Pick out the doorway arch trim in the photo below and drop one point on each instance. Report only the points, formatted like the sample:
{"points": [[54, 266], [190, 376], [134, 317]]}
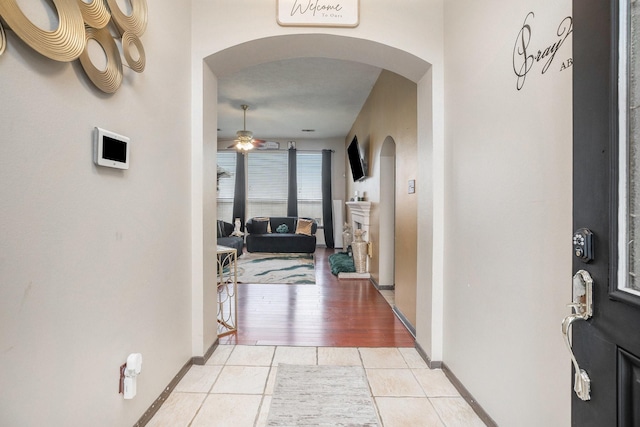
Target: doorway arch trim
{"points": [[429, 79]]}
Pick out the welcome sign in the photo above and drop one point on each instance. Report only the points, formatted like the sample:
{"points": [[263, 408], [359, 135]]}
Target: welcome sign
{"points": [[319, 13]]}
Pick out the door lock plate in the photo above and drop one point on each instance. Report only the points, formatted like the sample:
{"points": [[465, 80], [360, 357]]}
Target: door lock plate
{"points": [[583, 244], [582, 309]]}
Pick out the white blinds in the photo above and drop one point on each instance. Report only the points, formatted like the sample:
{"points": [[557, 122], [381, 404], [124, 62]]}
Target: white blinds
{"points": [[226, 185], [309, 176], [267, 183]]}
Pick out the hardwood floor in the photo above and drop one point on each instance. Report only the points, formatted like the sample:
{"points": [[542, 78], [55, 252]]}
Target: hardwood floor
{"points": [[337, 313]]}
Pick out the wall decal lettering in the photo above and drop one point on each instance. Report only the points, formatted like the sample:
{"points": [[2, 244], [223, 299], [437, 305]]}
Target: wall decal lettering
{"points": [[526, 57], [566, 64]]}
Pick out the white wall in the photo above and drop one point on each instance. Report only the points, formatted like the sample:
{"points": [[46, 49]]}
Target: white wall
{"points": [[508, 212], [94, 263]]}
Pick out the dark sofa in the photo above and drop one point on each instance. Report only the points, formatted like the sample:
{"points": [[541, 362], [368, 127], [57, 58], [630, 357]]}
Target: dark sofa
{"points": [[226, 239], [266, 235]]}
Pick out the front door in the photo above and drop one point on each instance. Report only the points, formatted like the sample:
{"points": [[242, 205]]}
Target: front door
{"points": [[606, 201]]}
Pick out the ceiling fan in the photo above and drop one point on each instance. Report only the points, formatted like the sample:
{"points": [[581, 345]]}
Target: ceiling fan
{"points": [[244, 138]]}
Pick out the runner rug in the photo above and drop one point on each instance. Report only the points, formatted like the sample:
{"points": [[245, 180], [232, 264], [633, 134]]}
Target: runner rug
{"points": [[273, 268], [321, 396]]}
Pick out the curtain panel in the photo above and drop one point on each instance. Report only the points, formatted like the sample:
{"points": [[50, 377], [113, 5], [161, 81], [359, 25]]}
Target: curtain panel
{"points": [[240, 194], [292, 199], [327, 199]]}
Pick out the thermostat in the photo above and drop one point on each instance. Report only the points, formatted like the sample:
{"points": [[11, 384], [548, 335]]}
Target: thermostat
{"points": [[110, 149]]}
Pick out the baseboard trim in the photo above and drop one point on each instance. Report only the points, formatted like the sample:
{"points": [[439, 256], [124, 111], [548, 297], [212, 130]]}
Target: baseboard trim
{"points": [[155, 406], [383, 287], [430, 363], [482, 414], [203, 359], [405, 321]]}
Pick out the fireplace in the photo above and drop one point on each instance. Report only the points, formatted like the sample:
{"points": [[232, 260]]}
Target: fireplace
{"points": [[359, 220], [360, 216]]}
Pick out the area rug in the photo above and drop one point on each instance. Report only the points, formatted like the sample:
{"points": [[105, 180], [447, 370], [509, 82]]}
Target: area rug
{"points": [[341, 262], [321, 396], [272, 268]]}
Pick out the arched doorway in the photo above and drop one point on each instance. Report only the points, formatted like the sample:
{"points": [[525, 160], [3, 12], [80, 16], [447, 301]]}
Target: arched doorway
{"points": [[204, 137]]}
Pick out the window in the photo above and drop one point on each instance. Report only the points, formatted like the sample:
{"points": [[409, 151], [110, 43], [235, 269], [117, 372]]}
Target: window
{"points": [[267, 183], [629, 150], [226, 185], [309, 175]]}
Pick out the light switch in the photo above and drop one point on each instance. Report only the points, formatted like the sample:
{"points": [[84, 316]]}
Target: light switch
{"points": [[412, 186]]}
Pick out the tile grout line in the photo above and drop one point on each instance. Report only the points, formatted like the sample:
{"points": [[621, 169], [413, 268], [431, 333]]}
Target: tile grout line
{"points": [[427, 396], [264, 390], [206, 395], [373, 399]]}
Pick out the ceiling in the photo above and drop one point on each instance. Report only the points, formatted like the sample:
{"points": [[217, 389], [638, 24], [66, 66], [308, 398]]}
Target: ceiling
{"points": [[287, 97]]}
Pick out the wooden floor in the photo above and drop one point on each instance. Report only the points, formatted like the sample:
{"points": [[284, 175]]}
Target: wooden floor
{"points": [[336, 313]]}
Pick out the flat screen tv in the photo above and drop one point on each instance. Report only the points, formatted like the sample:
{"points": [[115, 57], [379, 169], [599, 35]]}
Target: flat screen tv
{"points": [[356, 161]]}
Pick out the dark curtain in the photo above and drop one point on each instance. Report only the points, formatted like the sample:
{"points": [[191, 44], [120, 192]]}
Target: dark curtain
{"points": [[292, 199], [327, 199], [240, 192]]}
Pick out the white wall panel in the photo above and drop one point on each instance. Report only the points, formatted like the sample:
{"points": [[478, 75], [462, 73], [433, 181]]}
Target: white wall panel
{"points": [[94, 262]]}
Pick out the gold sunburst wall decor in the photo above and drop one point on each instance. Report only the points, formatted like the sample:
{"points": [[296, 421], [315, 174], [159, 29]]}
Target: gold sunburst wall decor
{"points": [[3, 39], [95, 13], [135, 23], [65, 44], [129, 39], [79, 21], [107, 80]]}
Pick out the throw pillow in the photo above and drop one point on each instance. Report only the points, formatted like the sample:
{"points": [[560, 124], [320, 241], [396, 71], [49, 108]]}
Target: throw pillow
{"points": [[263, 225], [282, 228], [221, 229], [304, 226]]}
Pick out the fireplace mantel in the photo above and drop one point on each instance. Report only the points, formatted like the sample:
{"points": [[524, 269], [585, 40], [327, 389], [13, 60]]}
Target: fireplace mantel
{"points": [[363, 208], [360, 216], [359, 220]]}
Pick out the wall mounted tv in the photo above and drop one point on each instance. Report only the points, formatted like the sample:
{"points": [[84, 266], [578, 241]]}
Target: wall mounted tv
{"points": [[356, 161]]}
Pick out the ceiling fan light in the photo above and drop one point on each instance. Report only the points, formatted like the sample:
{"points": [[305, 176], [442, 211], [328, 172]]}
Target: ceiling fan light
{"points": [[244, 140], [244, 144], [244, 135]]}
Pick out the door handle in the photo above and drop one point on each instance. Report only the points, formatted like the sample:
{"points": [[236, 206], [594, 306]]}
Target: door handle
{"points": [[582, 309]]}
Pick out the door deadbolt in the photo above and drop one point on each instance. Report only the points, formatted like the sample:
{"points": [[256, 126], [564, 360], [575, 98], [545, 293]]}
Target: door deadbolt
{"points": [[583, 244]]}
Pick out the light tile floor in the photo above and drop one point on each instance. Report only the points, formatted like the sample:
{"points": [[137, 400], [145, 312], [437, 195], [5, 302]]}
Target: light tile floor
{"points": [[235, 387]]}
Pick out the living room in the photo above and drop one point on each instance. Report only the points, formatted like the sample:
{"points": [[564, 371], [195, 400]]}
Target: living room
{"points": [[387, 115]]}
